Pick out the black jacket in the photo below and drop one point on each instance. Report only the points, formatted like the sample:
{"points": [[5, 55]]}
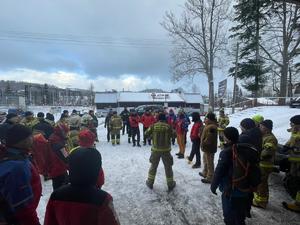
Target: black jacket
{"points": [[253, 137], [45, 127], [3, 130]]}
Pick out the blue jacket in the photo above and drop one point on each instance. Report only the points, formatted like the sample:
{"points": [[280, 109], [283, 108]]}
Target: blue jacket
{"points": [[15, 179]]}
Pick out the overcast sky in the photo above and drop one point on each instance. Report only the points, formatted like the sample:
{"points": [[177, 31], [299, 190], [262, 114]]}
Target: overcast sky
{"points": [[115, 44]]}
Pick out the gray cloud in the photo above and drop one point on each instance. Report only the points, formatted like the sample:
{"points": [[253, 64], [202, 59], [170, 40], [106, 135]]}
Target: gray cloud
{"points": [[100, 29]]}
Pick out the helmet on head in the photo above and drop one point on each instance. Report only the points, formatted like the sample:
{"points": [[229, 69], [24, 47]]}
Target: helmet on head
{"points": [[258, 118]]}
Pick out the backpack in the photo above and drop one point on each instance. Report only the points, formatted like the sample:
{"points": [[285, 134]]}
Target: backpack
{"points": [[246, 175]]}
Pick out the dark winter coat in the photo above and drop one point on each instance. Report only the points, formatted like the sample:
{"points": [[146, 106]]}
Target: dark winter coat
{"points": [[209, 138], [252, 137], [45, 127], [125, 115], [223, 174], [20, 188], [3, 130], [107, 120]]}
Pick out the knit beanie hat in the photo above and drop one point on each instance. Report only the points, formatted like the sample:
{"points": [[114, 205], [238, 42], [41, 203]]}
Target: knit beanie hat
{"points": [[40, 115], [268, 124], [247, 124], [295, 120], [86, 138], [211, 116], [11, 115], [28, 113], [258, 118], [232, 134], [16, 134], [50, 117], [84, 166]]}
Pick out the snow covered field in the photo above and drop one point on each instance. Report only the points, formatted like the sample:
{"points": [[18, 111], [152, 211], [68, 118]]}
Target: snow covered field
{"points": [[191, 202]]}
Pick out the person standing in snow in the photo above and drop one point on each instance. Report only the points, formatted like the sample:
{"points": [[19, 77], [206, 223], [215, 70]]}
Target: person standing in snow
{"points": [[147, 120], [161, 134], [58, 153], [181, 132], [234, 201], [195, 138], [29, 120], [125, 118], [95, 124], [115, 128], [81, 202], [267, 156], [134, 120], [222, 124], [106, 124], [171, 119], [209, 142], [293, 147], [21, 188]]}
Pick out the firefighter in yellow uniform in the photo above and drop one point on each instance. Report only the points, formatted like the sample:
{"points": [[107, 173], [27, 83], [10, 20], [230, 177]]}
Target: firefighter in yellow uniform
{"points": [[115, 126], [261, 196], [161, 133], [293, 146], [222, 124], [29, 120]]}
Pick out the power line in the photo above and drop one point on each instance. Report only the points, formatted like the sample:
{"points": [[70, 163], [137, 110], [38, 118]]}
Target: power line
{"points": [[85, 40]]}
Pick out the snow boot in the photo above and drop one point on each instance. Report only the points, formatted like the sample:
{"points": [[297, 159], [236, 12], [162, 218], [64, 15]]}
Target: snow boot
{"points": [[180, 156], [202, 174], [188, 160], [133, 145], [195, 166], [205, 181], [129, 140], [177, 153], [149, 184], [291, 206], [138, 144], [171, 186]]}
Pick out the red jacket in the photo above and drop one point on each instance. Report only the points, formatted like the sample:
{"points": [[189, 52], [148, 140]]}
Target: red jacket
{"points": [[57, 160], [71, 205], [195, 131], [40, 151], [134, 121], [147, 120]]}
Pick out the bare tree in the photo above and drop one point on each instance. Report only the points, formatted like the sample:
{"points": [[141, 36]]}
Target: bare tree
{"points": [[91, 93], [199, 37], [282, 41]]}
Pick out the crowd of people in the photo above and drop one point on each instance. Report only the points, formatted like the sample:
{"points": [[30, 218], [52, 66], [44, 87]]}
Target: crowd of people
{"points": [[65, 152]]}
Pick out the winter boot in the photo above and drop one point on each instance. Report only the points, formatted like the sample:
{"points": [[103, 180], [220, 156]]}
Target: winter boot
{"points": [[205, 181], [149, 184], [180, 156], [188, 160], [171, 186], [129, 140], [133, 144], [291, 206], [202, 174], [177, 153], [138, 144], [195, 166]]}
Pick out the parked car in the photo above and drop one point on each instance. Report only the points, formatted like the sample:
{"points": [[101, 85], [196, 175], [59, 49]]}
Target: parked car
{"points": [[295, 100], [143, 108]]}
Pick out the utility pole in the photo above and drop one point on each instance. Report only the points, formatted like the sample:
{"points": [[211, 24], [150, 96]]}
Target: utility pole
{"points": [[235, 77]]}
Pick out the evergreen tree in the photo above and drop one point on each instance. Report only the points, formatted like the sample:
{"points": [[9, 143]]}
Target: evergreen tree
{"points": [[250, 18]]}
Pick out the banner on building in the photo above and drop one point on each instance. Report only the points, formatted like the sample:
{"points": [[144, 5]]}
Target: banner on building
{"points": [[222, 89]]}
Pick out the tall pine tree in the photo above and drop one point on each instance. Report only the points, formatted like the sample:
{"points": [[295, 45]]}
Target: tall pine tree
{"points": [[250, 19]]}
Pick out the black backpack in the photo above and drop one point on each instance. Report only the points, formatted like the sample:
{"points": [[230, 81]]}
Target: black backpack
{"points": [[246, 175]]}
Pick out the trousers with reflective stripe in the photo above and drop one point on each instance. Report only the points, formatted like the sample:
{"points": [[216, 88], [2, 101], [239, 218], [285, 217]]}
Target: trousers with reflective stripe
{"points": [[167, 161], [261, 196]]}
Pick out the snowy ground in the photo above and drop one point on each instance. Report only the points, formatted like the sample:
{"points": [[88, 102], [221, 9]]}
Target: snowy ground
{"points": [[190, 202]]}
